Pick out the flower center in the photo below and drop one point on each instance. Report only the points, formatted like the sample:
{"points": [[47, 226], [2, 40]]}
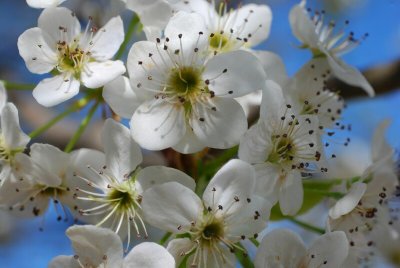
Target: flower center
{"points": [[219, 41], [283, 149], [185, 80], [71, 58], [122, 196], [214, 230], [5, 153]]}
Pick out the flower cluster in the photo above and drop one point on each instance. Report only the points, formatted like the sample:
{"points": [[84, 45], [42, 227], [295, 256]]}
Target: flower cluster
{"points": [[187, 90]]}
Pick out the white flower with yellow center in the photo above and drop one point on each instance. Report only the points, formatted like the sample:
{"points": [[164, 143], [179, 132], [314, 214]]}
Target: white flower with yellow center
{"points": [[58, 45], [12, 140], [324, 42], [281, 146], [283, 248], [179, 97], [96, 247], [228, 213], [114, 196]]}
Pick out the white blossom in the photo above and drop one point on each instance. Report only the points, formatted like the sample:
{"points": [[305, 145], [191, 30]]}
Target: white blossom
{"points": [[185, 99], [101, 248], [325, 42], [113, 198], [228, 212], [58, 45], [283, 248], [281, 146], [44, 3]]}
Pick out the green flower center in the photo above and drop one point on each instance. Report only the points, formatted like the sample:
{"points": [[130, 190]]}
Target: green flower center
{"points": [[213, 230], [283, 150], [72, 58], [219, 41], [123, 196], [185, 80]]}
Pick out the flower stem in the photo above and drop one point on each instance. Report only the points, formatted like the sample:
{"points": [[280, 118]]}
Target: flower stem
{"points": [[81, 128], [243, 259], [335, 195], [17, 86], [73, 108], [254, 241], [131, 29], [164, 239], [306, 226]]}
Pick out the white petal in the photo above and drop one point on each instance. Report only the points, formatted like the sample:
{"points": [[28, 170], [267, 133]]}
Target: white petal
{"points": [[254, 20], [246, 220], [36, 172], [255, 144], [236, 179], [64, 262], [50, 158], [273, 65], [149, 255], [97, 74], [123, 154], [189, 144], [221, 127], [39, 57], [268, 177], [155, 175], [92, 244], [171, 207], [291, 194], [52, 19], [349, 201], [154, 14], [121, 97], [3, 96], [302, 26], [55, 90], [349, 75], [178, 246], [108, 39], [234, 74], [280, 248], [189, 25], [157, 125], [380, 148], [204, 8], [329, 250], [13, 136], [43, 3], [273, 103]]}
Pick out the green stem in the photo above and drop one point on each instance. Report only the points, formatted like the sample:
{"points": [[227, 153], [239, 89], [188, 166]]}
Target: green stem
{"points": [[243, 259], [81, 128], [131, 29], [336, 195], [17, 86], [73, 108], [164, 239], [306, 226], [254, 241]]}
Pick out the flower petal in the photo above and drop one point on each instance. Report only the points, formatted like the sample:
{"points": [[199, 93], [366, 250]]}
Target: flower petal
{"points": [[171, 207], [280, 248], [43, 3], [380, 148], [189, 25], [250, 20], [273, 103], [51, 20], [329, 250], [349, 75], [39, 57], [177, 247], [291, 194], [3, 96], [155, 175], [189, 144], [149, 255], [349, 201], [93, 244], [255, 144], [268, 181], [302, 26], [220, 127], [11, 131], [50, 158], [234, 182], [273, 65], [123, 154], [108, 39], [55, 90], [97, 74], [157, 125], [64, 262], [234, 74], [121, 97]]}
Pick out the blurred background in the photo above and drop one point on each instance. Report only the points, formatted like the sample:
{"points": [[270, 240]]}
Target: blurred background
{"points": [[21, 242]]}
